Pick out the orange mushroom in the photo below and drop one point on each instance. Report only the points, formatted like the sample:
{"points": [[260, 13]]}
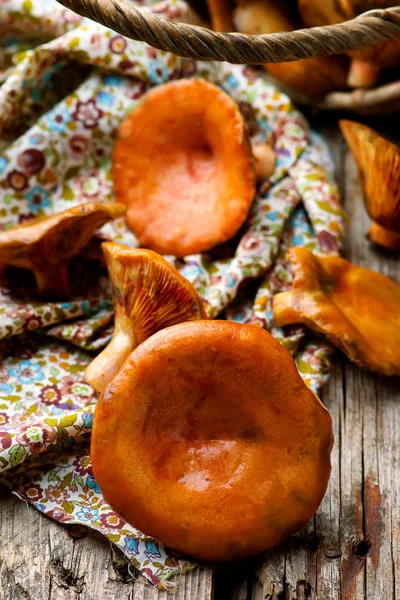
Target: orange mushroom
{"points": [[222, 450], [46, 245], [183, 166], [310, 77], [378, 161], [148, 294], [358, 310], [220, 12], [366, 64]]}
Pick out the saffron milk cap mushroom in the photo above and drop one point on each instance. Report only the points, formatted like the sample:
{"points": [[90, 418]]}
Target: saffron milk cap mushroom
{"points": [[183, 166], [148, 294], [357, 309], [46, 245], [222, 450], [378, 161]]}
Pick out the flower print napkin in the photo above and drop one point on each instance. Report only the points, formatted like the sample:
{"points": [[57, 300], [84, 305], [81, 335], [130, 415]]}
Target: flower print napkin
{"points": [[65, 85]]}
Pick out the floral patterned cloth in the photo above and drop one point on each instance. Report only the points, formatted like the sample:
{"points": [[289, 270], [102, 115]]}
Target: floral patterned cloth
{"points": [[65, 85]]}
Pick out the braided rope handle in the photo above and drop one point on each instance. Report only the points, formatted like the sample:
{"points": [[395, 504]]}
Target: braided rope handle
{"points": [[190, 41]]}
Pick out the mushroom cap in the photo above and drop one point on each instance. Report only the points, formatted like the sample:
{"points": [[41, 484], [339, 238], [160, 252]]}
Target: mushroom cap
{"points": [[311, 77], [222, 450], [378, 161], [55, 238], [149, 292], [357, 309], [183, 166]]}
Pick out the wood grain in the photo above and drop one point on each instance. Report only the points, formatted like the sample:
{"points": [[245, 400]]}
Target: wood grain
{"points": [[40, 560], [349, 551]]}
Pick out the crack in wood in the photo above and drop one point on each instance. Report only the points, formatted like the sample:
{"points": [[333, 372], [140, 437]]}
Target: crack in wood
{"points": [[65, 577]]}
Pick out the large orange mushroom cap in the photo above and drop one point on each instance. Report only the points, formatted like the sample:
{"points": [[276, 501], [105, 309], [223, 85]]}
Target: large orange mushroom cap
{"points": [[356, 308], [148, 294], [209, 440], [183, 166]]}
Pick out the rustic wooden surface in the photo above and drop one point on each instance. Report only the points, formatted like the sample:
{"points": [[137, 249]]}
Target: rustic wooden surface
{"points": [[349, 551]]}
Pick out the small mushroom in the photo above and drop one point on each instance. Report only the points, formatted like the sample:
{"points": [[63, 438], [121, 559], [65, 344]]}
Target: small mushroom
{"points": [[148, 295], [358, 310], [46, 245]]}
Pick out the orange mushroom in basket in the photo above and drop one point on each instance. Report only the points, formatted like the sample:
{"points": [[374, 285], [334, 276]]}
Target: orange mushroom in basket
{"points": [[357, 309], [148, 294], [183, 166], [222, 450], [367, 63], [47, 245], [310, 77], [378, 161]]}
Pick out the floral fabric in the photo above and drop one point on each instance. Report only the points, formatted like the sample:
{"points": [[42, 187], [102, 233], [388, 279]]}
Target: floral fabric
{"points": [[65, 85]]}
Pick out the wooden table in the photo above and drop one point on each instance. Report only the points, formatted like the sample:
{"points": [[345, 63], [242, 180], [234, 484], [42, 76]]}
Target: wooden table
{"points": [[350, 550]]}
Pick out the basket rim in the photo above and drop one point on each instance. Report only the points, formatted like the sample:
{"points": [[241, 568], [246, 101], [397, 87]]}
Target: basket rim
{"points": [[191, 41]]}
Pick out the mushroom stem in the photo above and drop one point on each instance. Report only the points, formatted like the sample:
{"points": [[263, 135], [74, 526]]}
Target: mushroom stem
{"points": [[284, 313], [221, 15], [52, 280], [264, 159], [384, 237], [107, 364], [362, 74]]}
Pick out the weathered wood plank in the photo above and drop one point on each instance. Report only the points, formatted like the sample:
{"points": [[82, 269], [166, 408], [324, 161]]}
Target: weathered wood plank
{"points": [[39, 560], [351, 447], [328, 516], [394, 484], [378, 400]]}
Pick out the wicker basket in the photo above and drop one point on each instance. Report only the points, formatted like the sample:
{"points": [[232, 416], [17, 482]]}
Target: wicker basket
{"points": [[190, 41]]}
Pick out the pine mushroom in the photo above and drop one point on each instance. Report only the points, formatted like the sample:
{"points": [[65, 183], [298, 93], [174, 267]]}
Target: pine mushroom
{"points": [[378, 161], [46, 245], [357, 309], [148, 295], [222, 450]]}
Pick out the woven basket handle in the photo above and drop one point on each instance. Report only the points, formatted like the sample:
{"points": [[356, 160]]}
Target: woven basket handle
{"points": [[190, 41]]}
